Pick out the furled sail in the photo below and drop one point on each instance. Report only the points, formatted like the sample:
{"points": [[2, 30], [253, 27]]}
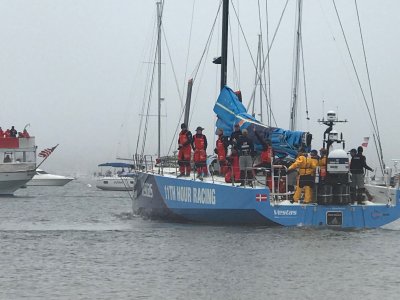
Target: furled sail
{"points": [[231, 111]]}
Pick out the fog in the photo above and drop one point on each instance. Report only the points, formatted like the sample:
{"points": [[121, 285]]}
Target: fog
{"points": [[77, 71]]}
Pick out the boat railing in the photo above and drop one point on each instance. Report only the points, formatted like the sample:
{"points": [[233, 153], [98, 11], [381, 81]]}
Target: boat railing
{"points": [[279, 184], [148, 163]]}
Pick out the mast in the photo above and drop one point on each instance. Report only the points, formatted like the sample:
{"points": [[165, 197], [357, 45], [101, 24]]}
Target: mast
{"points": [[188, 100], [296, 67], [259, 74], [159, 75], [224, 49]]}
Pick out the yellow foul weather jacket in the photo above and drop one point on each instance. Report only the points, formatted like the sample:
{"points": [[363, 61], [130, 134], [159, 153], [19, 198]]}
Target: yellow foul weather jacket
{"points": [[305, 165]]}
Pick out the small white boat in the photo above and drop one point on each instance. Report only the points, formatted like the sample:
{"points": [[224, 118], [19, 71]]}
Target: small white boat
{"points": [[42, 178], [116, 178], [115, 183]]}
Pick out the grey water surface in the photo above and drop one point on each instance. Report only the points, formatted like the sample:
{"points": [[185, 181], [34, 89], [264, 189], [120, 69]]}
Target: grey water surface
{"points": [[77, 242]]}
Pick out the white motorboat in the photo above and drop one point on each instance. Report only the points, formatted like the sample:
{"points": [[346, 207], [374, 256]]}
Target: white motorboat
{"points": [[116, 177], [385, 187], [42, 178], [17, 164]]}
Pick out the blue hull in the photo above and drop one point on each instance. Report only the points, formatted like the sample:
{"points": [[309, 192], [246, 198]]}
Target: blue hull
{"points": [[196, 201]]}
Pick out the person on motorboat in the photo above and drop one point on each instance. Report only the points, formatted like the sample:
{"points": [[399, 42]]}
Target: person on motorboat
{"points": [[221, 150], [357, 165], [306, 169], [185, 141], [245, 148], [7, 159], [13, 132], [200, 154], [25, 134]]}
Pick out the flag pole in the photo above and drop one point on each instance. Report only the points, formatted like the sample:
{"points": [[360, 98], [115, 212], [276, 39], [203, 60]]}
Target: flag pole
{"points": [[52, 149]]}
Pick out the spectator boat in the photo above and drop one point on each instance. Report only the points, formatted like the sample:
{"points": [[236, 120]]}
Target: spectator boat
{"points": [[42, 178], [17, 164]]}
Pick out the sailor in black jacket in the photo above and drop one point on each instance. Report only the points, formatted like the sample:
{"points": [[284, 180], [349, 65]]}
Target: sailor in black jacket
{"points": [[245, 148], [357, 165]]}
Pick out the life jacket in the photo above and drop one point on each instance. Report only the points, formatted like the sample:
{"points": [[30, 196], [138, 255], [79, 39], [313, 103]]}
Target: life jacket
{"points": [[305, 165], [200, 155], [279, 185], [199, 142], [221, 149], [183, 139], [266, 156]]}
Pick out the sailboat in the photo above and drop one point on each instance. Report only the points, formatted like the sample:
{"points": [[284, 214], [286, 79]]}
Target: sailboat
{"points": [[159, 193]]}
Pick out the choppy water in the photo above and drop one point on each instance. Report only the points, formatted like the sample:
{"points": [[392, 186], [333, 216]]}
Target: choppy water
{"points": [[77, 242]]}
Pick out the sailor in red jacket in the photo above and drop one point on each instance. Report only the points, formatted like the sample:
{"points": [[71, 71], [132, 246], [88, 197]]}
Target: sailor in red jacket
{"points": [[233, 173], [200, 155], [185, 142], [266, 153], [221, 151]]}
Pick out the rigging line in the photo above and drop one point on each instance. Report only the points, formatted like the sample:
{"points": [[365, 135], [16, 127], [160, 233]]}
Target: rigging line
{"points": [[194, 73], [259, 17], [261, 55], [194, 104], [369, 81], [359, 83], [268, 61], [151, 87], [235, 77], [148, 105], [238, 43], [172, 66], [244, 36], [188, 50], [149, 71], [268, 104], [275, 33], [204, 54], [199, 84], [252, 101], [354, 67], [304, 76], [268, 94], [176, 130]]}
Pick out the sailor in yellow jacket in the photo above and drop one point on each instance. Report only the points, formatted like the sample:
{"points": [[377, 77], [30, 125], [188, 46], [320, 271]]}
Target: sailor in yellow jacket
{"points": [[306, 169]]}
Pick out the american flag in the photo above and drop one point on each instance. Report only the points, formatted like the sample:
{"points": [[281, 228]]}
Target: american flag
{"points": [[261, 197], [46, 152]]}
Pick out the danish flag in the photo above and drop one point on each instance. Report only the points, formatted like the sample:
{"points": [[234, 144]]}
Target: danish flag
{"points": [[261, 197]]}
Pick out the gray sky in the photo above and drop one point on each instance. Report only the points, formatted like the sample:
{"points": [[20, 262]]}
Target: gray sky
{"points": [[76, 71]]}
